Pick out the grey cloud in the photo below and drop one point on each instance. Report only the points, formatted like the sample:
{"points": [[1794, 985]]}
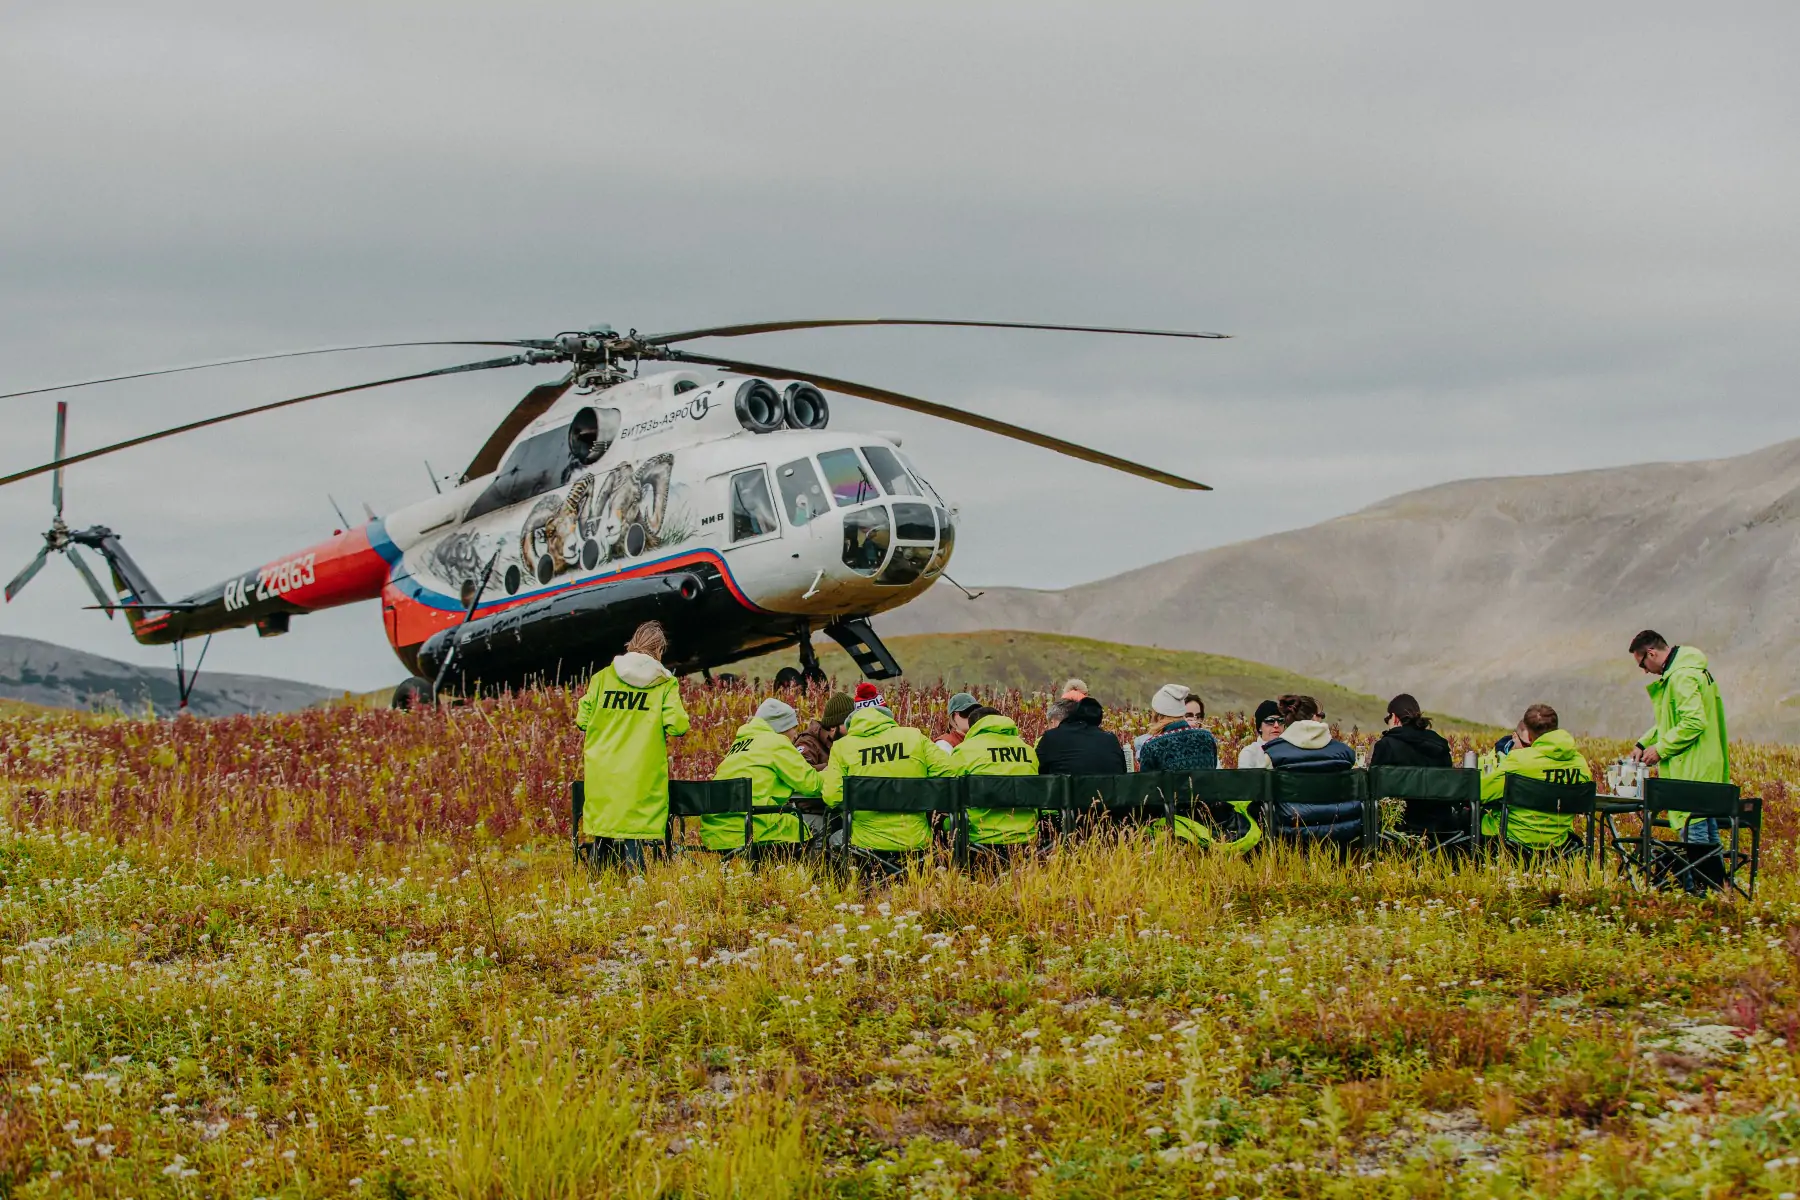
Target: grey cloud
{"points": [[1506, 241]]}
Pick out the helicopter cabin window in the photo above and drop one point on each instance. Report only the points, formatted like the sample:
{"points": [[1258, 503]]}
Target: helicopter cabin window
{"points": [[893, 476], [866, 540], [801, 492], [844, 474], [752, 508]]}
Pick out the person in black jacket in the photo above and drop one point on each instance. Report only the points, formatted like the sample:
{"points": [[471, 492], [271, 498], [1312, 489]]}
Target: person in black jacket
{"points": [[1410, 741], [1076, 745]]}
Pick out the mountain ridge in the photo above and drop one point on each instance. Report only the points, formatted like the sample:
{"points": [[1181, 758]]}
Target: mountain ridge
{"points": [[1480, 595], [44, 673]]}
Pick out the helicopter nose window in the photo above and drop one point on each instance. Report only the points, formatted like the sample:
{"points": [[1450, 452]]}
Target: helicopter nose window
{"points": [[844, 474], [752, 508], [801, 492], [908, 564], [865, 540], [893, 476], [946, 544], [912, 523]]}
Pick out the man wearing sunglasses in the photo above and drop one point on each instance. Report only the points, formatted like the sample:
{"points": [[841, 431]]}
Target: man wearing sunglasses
{"points": [[1268, 728]]}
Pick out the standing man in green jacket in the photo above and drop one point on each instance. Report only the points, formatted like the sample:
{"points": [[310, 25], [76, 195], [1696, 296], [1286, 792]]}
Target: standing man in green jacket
{"points": [[631, 709], [875, 744], [1688, 739], [762, 752], [992, 746]]}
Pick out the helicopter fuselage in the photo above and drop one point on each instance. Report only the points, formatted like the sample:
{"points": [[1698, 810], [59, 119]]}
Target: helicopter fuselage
{"points": [[652, 498]]}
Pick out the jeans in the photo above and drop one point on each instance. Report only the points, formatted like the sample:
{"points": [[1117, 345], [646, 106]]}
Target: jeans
{"points": [[1701, 831]]}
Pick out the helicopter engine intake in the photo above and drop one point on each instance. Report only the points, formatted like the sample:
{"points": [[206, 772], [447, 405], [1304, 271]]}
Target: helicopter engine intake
{"points": [[759, 407], [805, 407]]}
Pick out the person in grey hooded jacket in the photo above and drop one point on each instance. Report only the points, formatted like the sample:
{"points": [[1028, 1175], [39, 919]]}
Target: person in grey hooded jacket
{"points": [[1306, 746]]}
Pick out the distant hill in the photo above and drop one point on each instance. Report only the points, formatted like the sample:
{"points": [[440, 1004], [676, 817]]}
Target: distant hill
{"points": [[1115, 673], [42, 673], [1483, 596]]}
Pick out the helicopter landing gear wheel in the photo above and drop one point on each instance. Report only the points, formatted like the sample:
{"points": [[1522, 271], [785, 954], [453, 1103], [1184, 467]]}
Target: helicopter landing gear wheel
{"points": [[788, 677], [414, 693]]}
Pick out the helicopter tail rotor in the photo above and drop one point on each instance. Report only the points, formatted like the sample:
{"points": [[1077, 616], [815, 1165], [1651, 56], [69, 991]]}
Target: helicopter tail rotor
{"points": [[58, 537]]}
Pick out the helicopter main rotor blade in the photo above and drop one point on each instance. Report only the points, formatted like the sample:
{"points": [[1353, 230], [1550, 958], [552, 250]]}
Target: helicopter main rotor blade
{"points": [[664, 339], [522, 343], [514, 360], [933, 409], [106, 602], [62, 428], [24, 577]]}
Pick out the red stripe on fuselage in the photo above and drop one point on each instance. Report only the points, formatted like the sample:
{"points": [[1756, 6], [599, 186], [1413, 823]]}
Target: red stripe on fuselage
{"points": [[409, 622]]}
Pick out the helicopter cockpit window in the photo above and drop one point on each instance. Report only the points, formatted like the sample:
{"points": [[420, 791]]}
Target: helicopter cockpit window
{"points": [[844, 474], [801, 492], [893, 476], [683, 385], [920, 479], [752, 508], [866, 539]]}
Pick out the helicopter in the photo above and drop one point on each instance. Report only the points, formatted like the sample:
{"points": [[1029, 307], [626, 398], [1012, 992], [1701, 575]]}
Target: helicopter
{"points": [[714, 496]]}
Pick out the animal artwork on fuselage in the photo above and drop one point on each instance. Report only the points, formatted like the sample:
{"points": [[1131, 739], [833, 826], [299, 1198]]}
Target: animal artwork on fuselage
{"points": [[616, 513]]}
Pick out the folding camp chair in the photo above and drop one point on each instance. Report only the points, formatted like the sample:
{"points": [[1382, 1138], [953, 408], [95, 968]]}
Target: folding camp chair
{"points": [[595, 853], [1036, 794], [1443, 805], [1231, 804], [1555, 799], [1290, 789], [1139, 798], [1694, 866], [710, 798], [866, 794]]}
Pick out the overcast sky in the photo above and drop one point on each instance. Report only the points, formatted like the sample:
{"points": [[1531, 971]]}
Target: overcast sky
{"points": [[1530, 238]]}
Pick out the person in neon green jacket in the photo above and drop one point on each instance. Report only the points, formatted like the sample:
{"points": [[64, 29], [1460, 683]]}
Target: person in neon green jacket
{"points": [[1541, 750], [875, 744], [1688, 739], [992, 746], [631, 709], [761, 752]]}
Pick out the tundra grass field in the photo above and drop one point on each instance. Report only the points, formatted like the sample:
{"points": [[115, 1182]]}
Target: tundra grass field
{"points": [[344, 952]]}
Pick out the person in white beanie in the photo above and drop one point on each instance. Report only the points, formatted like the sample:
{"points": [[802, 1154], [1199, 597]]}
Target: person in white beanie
{"points": [[1169, 703]]}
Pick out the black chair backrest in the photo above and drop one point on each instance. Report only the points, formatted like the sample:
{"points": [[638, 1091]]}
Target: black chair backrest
{"points": [[1449, 784], [1143, 790], [1540, 795], [1220, 786], [1045, 793], [1309, 787], [708, 797], [1692, 797], [879, 793]]}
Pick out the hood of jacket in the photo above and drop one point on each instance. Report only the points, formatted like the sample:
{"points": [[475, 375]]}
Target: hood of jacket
{"points": [[995, 723], [1087, 712], [1308, 735], [866, 721], [1426, 740], [752, 727], [1556, 746], [639, 670]]}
